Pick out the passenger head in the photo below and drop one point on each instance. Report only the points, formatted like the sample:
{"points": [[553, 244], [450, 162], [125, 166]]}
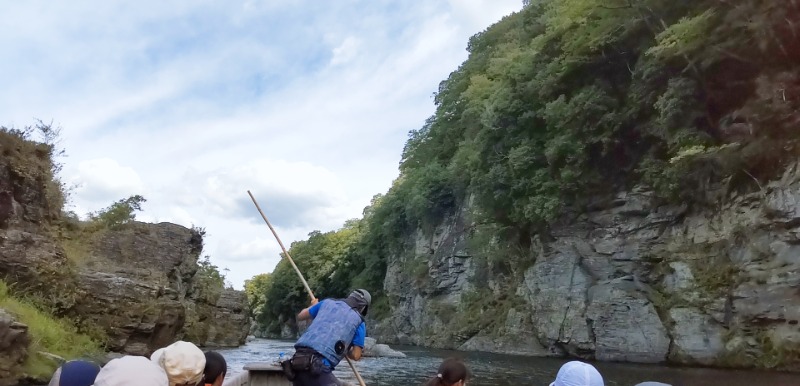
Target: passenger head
{"points": [[75, 373], [577, 373], [183, 362], [131, 371], [216, 368], [359, 300], [452, 372]]}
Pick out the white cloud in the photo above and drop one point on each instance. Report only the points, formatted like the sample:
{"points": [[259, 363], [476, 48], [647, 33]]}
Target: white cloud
{"points": [[475, 13], [248, 251], [346, 51], [103, 181], [191, 103]]}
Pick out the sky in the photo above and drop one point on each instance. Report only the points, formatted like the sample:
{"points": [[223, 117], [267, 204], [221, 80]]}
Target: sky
{"points": [[191, 103]]}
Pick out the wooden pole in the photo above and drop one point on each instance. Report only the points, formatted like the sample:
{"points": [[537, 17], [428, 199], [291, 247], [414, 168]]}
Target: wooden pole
{"points": [[285, 252], [305, 283]]}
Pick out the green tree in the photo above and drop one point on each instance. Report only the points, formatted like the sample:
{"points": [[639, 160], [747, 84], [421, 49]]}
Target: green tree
{"points": [[120, 213], [256, 290], [208, 282]]}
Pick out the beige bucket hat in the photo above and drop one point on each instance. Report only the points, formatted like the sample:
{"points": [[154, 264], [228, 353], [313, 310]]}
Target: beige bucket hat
{"points": [[182, 361]]}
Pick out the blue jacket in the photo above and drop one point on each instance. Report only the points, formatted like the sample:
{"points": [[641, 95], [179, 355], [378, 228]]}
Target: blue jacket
{"points": [[335, 322]]}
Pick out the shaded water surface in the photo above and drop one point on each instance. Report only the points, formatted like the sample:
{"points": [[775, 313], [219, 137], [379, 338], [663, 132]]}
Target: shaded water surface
{"points": [[505, 370]]}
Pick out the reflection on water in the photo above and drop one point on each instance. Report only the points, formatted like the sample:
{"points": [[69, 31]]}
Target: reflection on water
{"points": [[504, 370]]}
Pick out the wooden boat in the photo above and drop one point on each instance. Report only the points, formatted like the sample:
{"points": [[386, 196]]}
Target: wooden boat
{"points": [[262, 374], [259, 374]]}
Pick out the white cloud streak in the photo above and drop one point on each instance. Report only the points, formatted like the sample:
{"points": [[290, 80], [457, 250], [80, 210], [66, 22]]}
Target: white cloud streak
{"points": [[192, 103]]}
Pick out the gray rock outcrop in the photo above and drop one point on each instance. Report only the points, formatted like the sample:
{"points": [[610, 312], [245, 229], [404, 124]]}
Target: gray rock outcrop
{"points": [[135, 280], [226, 323], [142, 290]]}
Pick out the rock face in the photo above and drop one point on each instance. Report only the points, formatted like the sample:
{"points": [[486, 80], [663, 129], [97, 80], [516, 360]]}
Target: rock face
{"points": [[30, 201], [135, 284], [628, 280], [141, 290], [136, 281], [226, 323], [13, 347], [231, 320]]}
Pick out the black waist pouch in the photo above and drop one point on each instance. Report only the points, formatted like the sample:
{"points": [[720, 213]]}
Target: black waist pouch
{"points": [[304, 359], [287, 369], [302, 362]]}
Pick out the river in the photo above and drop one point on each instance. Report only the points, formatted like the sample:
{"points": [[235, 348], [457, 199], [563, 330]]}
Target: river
{"points": [[505, 370]]}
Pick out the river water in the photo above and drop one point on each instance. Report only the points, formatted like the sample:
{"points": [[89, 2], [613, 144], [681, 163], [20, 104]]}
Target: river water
{"points": [[504, 370]]}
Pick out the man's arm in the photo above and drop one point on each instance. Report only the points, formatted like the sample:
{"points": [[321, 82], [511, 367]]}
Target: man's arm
{"points": [[307, 313], [355, 353], [357, 346]]}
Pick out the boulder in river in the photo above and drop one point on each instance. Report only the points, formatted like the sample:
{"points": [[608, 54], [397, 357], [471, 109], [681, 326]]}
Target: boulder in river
{"points": [[373, 349]]}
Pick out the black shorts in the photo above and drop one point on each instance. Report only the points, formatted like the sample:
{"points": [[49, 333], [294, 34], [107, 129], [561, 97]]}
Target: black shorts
{"points": [[311, 378]]}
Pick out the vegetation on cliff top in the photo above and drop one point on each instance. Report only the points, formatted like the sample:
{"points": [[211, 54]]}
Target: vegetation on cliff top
{"points": [[35, 162], [568, 100]]}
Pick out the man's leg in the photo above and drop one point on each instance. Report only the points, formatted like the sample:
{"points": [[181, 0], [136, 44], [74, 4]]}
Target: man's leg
{"points": [[308, 378]]}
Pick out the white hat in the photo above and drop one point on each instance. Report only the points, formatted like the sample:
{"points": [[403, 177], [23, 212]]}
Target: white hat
{"points": [[183, 362], [156, 356], [131, 371], [577, 373]]}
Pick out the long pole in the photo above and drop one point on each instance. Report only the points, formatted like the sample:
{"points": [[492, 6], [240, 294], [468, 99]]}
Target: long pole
{"points": [[305, 283]]}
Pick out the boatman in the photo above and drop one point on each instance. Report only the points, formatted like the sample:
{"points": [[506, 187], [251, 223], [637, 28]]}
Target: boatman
{"points": [[337, 329]]}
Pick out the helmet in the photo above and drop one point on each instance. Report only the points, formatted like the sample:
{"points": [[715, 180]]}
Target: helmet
{"points": [[359, 300], [363, 294]]}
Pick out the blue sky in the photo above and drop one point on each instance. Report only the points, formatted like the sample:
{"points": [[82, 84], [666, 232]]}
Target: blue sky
{"points": [[191, 103]]}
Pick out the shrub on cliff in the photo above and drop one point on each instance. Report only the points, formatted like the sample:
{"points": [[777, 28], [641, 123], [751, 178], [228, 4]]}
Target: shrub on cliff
{"points": [[208, 282], [118, 214]]}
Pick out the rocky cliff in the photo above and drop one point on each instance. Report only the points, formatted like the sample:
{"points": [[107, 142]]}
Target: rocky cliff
{"points": [[223, 321], [139, 286], [130, 286], [627, 280]]}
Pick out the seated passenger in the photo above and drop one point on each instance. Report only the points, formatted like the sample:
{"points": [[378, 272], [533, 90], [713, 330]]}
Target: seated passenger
{"points": [[183, 362], [216, 368], [131, 371], [75, 373], [577, 373]]}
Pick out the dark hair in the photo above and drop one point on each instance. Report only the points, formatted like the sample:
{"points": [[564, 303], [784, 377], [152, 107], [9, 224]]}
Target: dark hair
{"points": [[450, 371], [215, 365]]}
